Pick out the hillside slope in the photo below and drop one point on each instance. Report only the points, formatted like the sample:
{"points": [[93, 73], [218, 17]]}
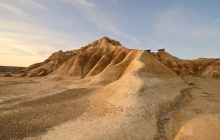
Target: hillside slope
{"points": [[101, 91], [110, 58], [201, 67]]}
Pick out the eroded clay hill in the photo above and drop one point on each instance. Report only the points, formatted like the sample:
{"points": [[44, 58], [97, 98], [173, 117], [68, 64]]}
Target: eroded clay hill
{"points": [[87, 61], [104, 60], [108, 58], [104, 91], [201, 67]]}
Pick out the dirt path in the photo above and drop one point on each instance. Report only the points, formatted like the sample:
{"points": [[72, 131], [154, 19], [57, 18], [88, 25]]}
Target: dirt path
{"points": [[200, 118]]}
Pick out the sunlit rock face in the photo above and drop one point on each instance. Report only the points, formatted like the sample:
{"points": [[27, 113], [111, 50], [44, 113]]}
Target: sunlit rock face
{"points": [[201, 67], [108, 57]]}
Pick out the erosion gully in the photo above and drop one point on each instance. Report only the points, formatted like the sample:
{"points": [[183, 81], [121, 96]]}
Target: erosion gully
{"points": [[165, 117]]}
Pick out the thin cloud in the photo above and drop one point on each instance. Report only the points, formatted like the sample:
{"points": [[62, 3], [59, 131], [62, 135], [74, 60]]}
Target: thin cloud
{"points": [[84, 3], [217, 20], [54, 4], [182, 23], [104, 23], [22, 52], [19, 12], [101, 20], [14, 10], [170, 20], [34, 4], [184, 30], [30, 43]]}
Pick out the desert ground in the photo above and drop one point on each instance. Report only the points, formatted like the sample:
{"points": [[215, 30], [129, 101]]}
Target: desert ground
{"points": [[37, 108], [105, 91]]}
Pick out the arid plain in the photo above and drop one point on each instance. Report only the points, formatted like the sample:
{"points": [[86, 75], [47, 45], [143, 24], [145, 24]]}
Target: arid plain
{"points": [[106, 91]]}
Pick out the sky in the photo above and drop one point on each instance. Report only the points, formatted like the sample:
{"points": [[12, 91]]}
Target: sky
{"points": [[31, 30]]}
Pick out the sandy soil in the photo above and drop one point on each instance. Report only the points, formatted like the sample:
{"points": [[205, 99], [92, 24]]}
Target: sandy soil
{"points": [[200, 118], [30, 106], [129, 108], [33, 108], [105, 91]]}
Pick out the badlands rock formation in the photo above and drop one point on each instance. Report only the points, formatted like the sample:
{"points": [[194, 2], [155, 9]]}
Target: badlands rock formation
{"points": [[103, 56], [105, 91], [201, 67]]}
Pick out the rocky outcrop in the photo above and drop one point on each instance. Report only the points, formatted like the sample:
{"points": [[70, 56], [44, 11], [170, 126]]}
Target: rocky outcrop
{"points": [[49, 65], [106, 60], [92, 53], [202, 67], [213, 70], [106, 57], [104, 88]]}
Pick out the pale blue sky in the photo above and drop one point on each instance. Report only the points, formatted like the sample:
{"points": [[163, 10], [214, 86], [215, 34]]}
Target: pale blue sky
{"points": [[31, 30]]}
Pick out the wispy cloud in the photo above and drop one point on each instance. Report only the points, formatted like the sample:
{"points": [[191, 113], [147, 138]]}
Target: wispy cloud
{"points": [[14, 10], [188, 24], [100, 19], [184, 30], [54, 4], [20, 52], [19, 11], [84, 3], [34, 44], [170, 20], [34, 4], [216, 21]]}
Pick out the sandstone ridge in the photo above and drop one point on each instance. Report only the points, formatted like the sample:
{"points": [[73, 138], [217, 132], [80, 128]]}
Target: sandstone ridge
{"points": [[107, 57], [106, 91], [201, 67]]}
